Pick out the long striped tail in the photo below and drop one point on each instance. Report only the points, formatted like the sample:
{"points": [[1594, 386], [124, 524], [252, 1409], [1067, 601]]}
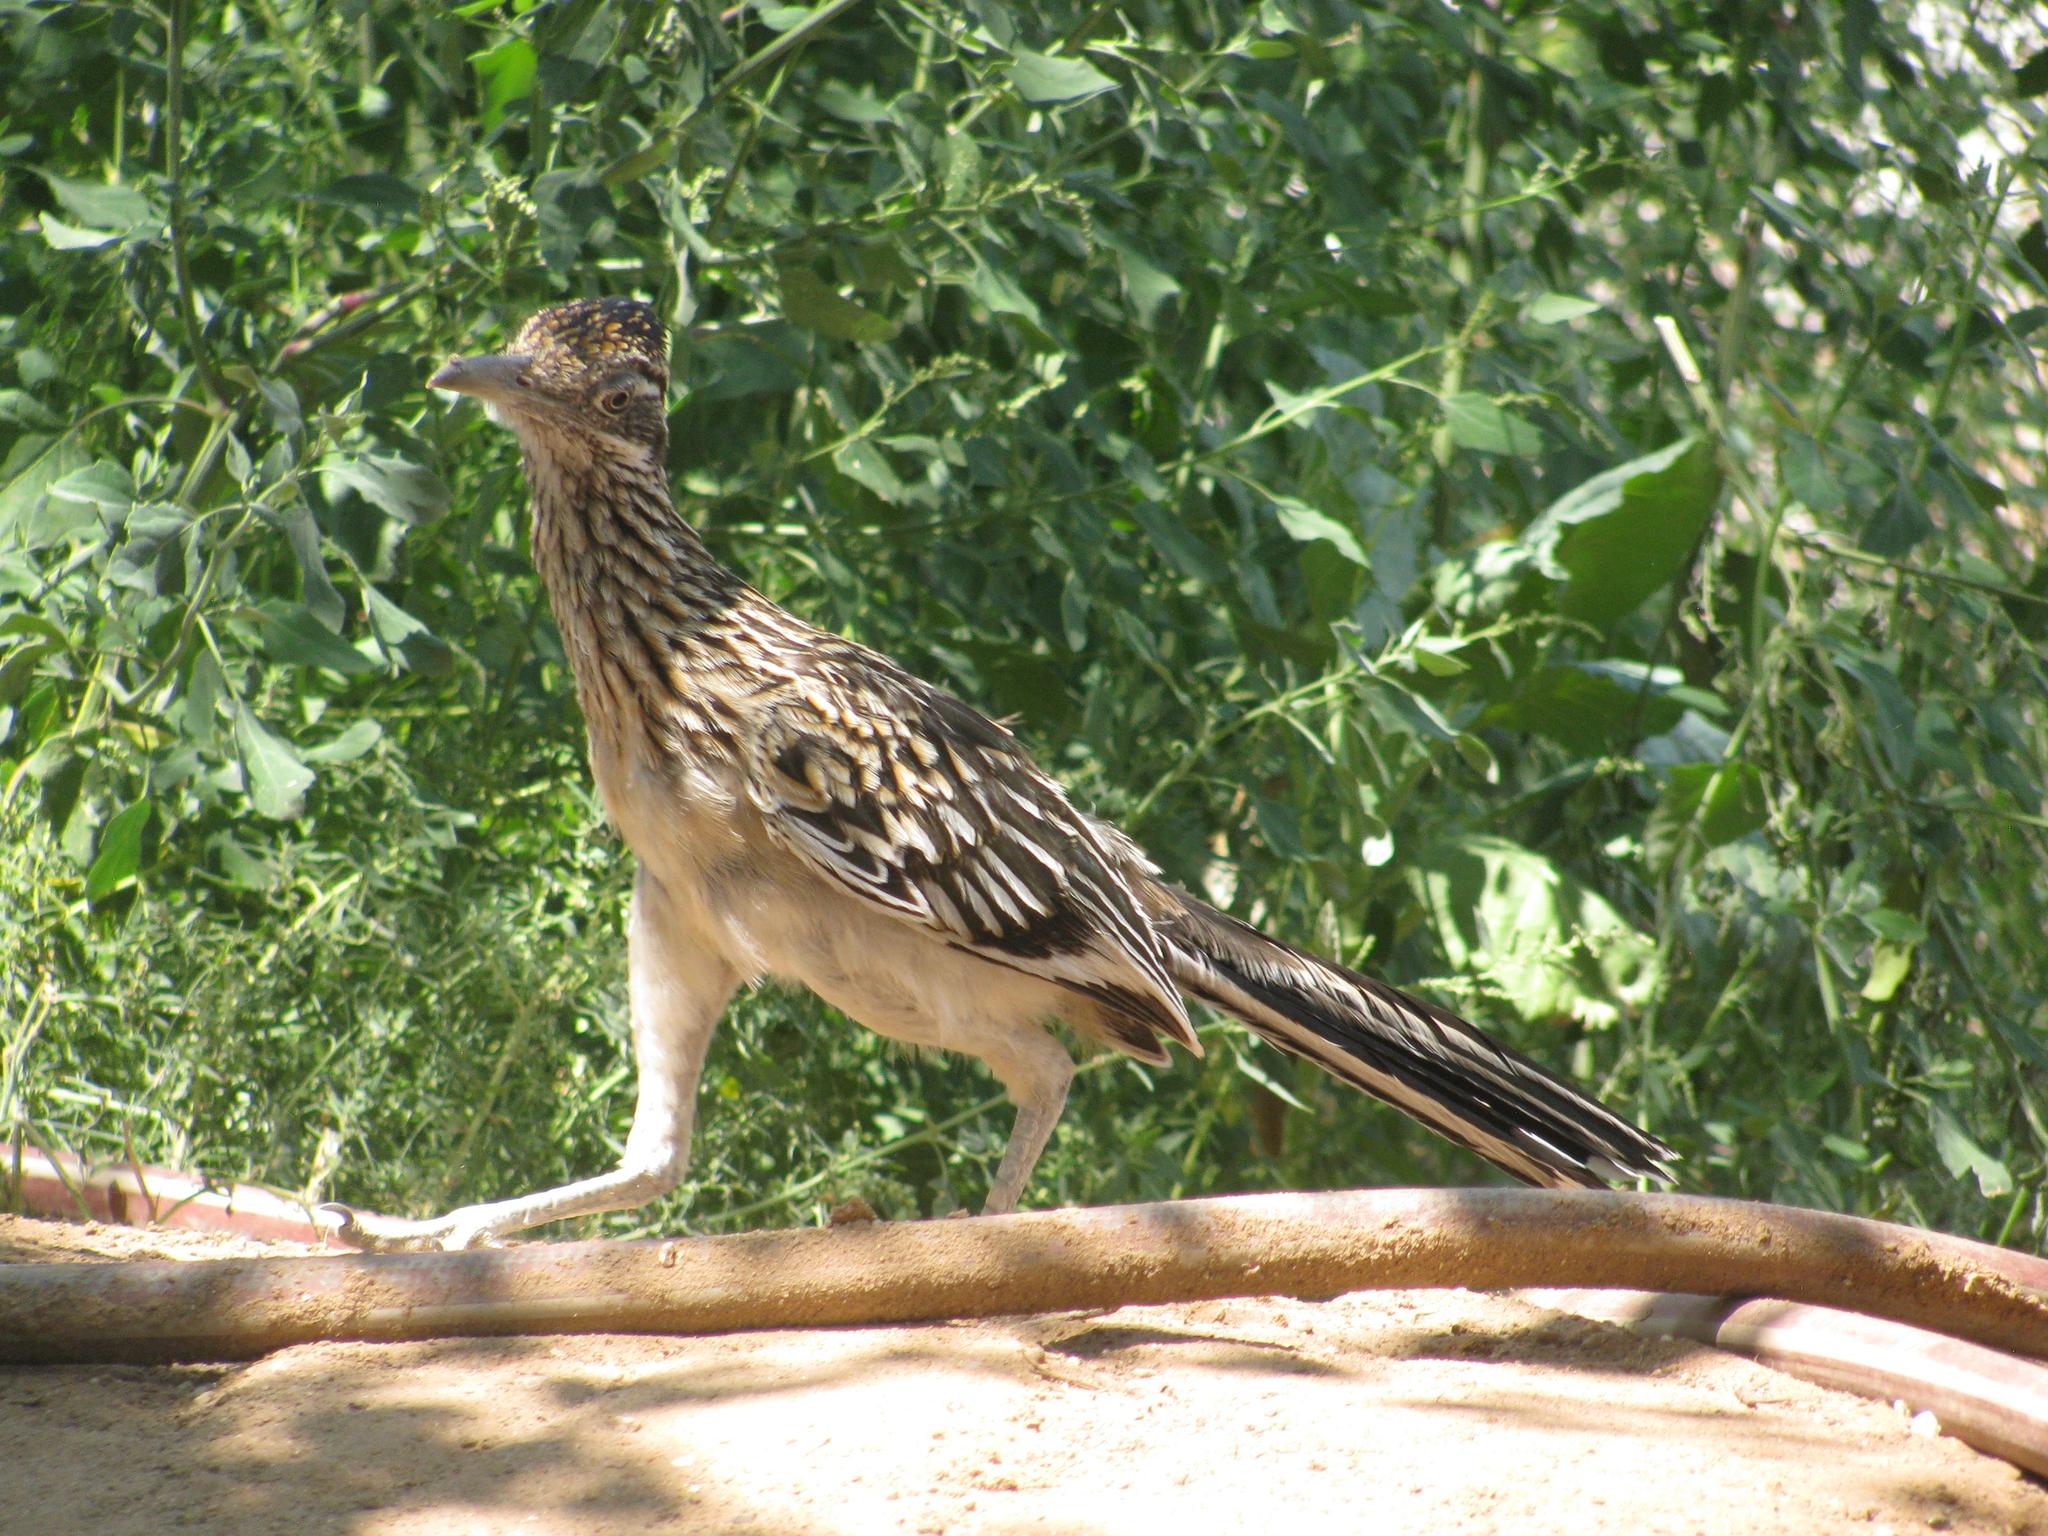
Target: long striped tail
{"points": [[1420, 1058]]}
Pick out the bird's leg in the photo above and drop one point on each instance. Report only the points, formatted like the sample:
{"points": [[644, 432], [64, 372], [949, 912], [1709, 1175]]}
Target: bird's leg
{"points": [[677, 990], [1035, 1070]]}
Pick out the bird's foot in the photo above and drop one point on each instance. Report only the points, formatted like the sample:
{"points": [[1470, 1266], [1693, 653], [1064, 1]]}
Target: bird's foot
{"points": [[851, 1212], [371, 1233]]}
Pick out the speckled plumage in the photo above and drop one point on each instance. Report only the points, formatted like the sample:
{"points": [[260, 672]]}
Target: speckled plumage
{"points": [[803, 807]]}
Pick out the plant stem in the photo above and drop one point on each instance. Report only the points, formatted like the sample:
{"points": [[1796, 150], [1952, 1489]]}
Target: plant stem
{"points": [[1468, 256], [664, 144], [174, 171]]}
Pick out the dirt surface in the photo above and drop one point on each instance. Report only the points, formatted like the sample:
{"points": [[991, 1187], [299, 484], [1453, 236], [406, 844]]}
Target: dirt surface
{"points": [[1379, 1411]]}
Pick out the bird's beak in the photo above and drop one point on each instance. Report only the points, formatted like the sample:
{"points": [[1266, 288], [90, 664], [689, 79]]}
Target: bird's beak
{"points": [[493, 377]]}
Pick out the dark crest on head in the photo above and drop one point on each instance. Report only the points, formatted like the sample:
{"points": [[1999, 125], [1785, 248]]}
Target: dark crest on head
{"points": [[608, 355]]}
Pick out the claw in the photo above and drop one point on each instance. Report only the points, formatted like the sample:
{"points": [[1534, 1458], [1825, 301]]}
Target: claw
{"points": [[338, 1223], [371, 1233]]}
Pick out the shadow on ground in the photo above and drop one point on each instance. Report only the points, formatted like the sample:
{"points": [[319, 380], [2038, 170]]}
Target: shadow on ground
{"points": [[1429, 1410]]}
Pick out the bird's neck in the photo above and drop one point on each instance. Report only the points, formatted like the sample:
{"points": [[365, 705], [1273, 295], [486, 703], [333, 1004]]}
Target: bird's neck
{"points": [[639, 599], [607, 532]]}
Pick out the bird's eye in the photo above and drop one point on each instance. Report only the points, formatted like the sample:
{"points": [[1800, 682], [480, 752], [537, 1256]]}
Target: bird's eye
{"points": [[615, 402]]}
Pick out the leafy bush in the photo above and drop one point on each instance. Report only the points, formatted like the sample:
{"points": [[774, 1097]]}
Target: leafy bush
{"points": [[1543, 505]]}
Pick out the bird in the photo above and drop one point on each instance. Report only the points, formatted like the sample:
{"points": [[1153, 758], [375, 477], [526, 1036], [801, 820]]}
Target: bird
{"points": [[801, 807]]}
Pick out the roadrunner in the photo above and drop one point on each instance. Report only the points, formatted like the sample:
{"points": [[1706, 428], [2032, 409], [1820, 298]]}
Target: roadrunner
{"points": [[802, 807]]}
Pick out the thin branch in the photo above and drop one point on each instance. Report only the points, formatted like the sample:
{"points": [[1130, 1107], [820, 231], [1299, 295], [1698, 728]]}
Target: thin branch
{"points": [[174, 171], [664, 144]]}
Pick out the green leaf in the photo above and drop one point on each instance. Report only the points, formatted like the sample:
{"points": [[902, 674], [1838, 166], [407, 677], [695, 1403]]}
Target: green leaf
{"points": [[93, 500], [1704, 805], [1074, 606], [69, 237], [105, 487], [1891, 715], [1145, 283], [1041, 77], [1896, 926], [396, 486], [811, 304], [292, 634], [1850, 1151], [140, 560], [277, 781], [404, 636], [302, 533], [1478, 756], [506, 73], [1557, 309], [1897, 526], [376, 191], [1305, 523], [25, 410], [1805, 471], [1438, 655], [574, 209], [999, 291], [960, 167], [1251, 1068], [1532, 932], [1477, 423], [1405, 713], [120, 852], [1279, 826], [861, 106], [1592, 707], [101, 204], [36, 466], [568, 77], [1627, 532], [862, 461], [242, 866], [391, 624], [33, 625], [1183, 548], [1890, 965], [2031, 77], [1961, 1154], [283, 402], [352, 743]]}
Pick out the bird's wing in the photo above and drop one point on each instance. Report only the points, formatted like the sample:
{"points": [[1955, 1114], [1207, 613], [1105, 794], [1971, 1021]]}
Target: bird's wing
{"points": [[928, 810]]}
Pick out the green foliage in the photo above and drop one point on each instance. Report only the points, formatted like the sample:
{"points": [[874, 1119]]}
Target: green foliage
{"points": [[1540, 503]]}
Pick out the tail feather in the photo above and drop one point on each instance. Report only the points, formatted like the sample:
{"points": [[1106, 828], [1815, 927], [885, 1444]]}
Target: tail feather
{"points": [[1420, 1058]]}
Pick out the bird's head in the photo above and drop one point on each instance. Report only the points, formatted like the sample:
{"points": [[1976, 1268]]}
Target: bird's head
{"points": [[592, 373]]}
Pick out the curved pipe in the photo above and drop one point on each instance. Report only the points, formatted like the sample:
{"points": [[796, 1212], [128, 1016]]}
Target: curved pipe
{"points": [[1993, 1401], [65, 1187], [1256, 1245]]}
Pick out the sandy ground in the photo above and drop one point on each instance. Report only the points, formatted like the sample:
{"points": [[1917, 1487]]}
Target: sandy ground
{"points": [[1378, 1412]]}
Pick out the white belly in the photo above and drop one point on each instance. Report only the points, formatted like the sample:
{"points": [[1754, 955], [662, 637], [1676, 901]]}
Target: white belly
{"points": [[734, 892]]}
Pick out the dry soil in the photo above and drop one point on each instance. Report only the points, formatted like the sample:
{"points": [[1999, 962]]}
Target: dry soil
{"points": [[1379, 1412]]}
